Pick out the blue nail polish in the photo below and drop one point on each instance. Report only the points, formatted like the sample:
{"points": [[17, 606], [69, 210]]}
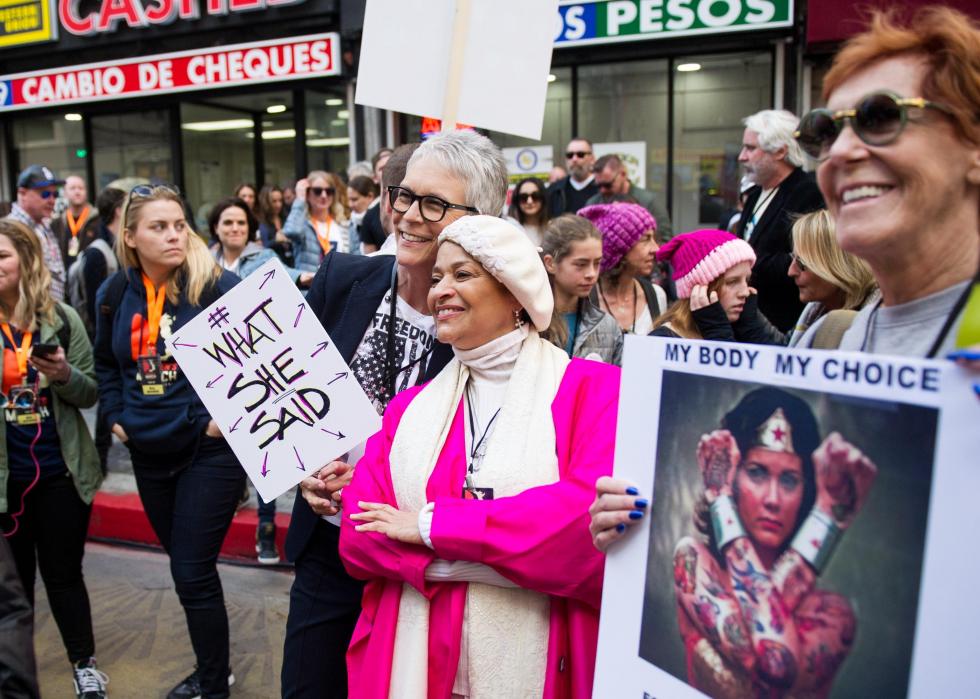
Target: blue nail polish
{"points": [[641, 503], [632, 491], [636, 514], [964, 354], [620, 527]]}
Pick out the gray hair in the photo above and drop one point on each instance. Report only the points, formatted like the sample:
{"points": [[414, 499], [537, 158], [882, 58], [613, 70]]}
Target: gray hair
{"points": [[775, 128], [476, 161]]}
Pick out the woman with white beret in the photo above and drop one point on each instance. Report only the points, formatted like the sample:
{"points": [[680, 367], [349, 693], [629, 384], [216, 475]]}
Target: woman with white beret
{"points": [[467, 515]]}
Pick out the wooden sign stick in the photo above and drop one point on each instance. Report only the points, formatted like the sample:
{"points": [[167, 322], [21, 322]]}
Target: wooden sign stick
{"points": [[454, 79]]}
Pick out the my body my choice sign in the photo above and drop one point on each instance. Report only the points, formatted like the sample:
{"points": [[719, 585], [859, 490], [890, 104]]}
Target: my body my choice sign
{"points": [[273, 381]]}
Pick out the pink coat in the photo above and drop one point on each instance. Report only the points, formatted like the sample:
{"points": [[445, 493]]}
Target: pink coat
{"points": [[539, 539]]}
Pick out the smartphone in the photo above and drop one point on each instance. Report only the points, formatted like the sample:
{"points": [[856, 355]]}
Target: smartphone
{"points": [[44, 350]]}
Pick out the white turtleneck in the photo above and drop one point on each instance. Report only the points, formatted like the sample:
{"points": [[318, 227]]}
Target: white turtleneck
{"points": [[490, 365]]}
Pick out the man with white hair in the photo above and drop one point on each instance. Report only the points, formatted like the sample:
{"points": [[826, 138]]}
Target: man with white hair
{"points": [[772, 160]]}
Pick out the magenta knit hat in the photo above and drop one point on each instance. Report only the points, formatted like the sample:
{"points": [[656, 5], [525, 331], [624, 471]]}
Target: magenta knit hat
{"points": [[700, 257], [621, 225]]}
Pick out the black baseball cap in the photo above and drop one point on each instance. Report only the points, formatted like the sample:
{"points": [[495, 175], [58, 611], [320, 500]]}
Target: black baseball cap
{"points": [[35, 176]]}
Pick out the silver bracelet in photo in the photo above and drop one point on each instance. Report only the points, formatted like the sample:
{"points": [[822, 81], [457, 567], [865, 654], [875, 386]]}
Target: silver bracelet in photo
{"points": [[816, 539], [725, 521]]}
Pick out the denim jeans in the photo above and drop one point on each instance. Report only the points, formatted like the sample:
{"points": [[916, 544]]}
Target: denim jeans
{"points": [[51, 536], [190, 511]]}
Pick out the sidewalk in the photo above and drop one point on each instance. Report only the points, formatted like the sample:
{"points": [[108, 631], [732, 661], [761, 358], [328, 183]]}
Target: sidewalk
{"points": [[118, 517]]}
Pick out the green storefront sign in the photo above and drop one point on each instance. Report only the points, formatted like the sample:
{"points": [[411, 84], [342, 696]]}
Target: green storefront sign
{"points": [[608, 21]]}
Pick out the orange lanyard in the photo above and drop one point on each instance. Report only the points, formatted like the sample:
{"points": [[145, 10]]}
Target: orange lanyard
{"points": [[154, 311], [75, 225], [324, 238], [21, 351]]}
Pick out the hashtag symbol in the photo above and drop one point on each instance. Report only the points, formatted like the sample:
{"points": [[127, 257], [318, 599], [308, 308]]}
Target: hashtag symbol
{"points": [[219, 316]]}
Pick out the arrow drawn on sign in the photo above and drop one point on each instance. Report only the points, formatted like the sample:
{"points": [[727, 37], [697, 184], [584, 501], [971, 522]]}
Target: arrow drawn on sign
{"points": [[235, 427], [338, 434], [301, 307], [215, 380], [264, 462], [340, 375], [268, 275], [319, 348], [302, 466], [182, 344]]}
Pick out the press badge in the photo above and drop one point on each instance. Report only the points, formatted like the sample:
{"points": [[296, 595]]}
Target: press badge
{"points": [[21, 406], [472, 492], [150, 376]]}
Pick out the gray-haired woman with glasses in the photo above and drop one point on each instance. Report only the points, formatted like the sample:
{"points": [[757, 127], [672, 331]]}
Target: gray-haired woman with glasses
{"points": [[188, 478]]}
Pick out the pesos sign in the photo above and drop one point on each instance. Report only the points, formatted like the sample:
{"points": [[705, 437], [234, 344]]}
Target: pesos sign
{"points": [[273, 381], [265, 61], [607, 21]]}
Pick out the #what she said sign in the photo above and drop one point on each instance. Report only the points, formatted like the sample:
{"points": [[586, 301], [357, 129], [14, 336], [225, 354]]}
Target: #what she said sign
{"points": [[272, 379]]}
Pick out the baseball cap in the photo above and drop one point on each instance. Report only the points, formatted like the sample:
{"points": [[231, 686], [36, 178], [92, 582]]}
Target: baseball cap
{"points": [[35, 176]]}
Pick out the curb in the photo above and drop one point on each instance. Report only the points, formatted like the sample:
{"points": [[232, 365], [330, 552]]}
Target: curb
{"points": [[119, 518]]}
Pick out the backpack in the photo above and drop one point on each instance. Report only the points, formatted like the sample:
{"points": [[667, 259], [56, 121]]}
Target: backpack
{"points": [[76, 280]]}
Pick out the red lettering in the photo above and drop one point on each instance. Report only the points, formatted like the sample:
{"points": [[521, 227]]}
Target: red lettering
{"points": [[115, 10], [217, 7], [245, 5], [188, 9], [81, 26], [161, 13]]}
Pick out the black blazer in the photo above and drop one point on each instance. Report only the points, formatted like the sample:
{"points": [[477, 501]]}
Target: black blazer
{"points": [[344, 294], [772, 240]]}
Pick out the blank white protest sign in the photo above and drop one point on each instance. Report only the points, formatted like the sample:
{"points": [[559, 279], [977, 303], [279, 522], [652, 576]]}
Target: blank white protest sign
{"points": [[406, 53]]}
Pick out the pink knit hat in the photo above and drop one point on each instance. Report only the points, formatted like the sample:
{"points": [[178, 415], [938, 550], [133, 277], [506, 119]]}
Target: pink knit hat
{"points": [[700, 257], [621, 224]]}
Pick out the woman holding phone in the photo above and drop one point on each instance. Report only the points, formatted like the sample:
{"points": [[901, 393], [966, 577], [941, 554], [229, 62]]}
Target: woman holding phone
{"points": [[49, 468]]}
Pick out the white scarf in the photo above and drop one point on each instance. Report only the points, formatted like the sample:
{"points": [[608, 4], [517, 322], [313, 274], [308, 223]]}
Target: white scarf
{"points": [[520, 454]]}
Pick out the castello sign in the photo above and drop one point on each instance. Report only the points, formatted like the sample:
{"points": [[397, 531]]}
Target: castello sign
{"points": [[114, 13]]}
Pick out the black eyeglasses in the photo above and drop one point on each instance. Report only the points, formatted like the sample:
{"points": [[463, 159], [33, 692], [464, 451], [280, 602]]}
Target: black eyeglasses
{"points": [[529, 196], [578, 154], [799, 261], [320, 191], [878, 119], [432, 208]]}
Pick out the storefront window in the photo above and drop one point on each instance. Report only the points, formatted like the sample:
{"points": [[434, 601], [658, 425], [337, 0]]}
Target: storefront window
{"points": [[327, 134], [712, 94], [133, 147], [56, 141], [218, 155], [556, 130], [626, 104]]}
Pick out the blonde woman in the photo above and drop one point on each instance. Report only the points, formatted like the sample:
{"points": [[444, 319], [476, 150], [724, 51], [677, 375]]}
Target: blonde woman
{"points": [[188, 478], [828, 278], [49, 469], [318, 220]]}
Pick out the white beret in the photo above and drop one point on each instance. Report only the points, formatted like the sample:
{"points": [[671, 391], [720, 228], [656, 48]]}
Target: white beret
{"points": [[511, 258]]}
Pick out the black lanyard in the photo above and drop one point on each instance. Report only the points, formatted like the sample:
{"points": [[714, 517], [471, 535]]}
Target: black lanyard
{"points": [[476, 444], [947, 324], [391, 359]]}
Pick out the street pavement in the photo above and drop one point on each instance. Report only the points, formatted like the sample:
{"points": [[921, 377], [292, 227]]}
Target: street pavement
{"points": [[140, 631]]}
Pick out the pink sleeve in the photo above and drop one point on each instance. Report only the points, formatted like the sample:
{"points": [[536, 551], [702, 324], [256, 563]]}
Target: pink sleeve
{"points": [[369, 555], [540, 538]]}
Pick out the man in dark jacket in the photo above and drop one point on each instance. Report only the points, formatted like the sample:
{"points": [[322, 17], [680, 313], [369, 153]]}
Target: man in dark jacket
{"points": [[569, 194], [772, 161], [375, 311]]}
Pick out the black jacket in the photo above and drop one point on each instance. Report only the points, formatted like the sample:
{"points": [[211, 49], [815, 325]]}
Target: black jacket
{"points": [[344, 295], [563, 198], [772, 240]]}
